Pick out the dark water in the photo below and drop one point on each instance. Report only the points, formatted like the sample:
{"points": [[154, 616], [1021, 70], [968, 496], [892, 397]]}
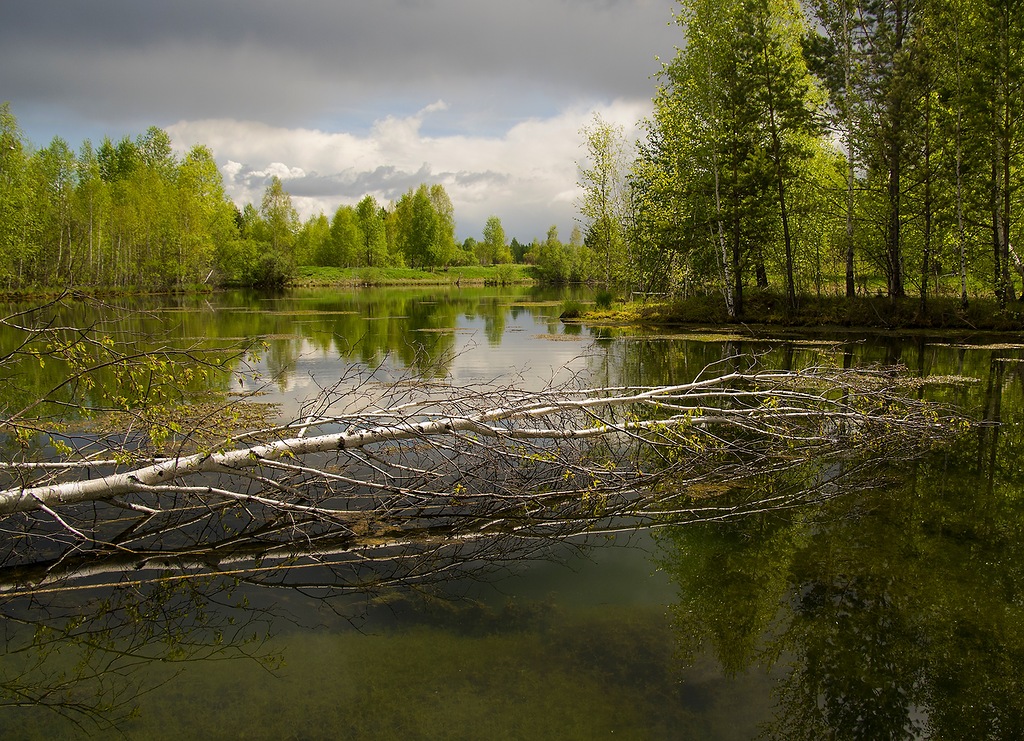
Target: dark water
{"points": [[895, 612]]}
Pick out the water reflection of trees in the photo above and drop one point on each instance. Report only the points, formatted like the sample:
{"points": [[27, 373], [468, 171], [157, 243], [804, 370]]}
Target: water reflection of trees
{"points": [[82, 658], [412, 328], [415, 328], [66, 356], [424, 482], [893, 614], [162, 558]]}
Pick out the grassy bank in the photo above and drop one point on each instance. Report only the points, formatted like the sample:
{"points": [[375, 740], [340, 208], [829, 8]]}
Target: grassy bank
{"points": [[309, 276], [44, 293], [812, 312]]}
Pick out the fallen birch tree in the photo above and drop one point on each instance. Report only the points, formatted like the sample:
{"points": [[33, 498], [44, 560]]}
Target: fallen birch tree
{"points": [[111, 467], [425, 470]]}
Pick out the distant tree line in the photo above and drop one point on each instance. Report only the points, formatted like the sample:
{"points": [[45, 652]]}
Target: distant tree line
{"points": [[132, 214], [124, 214], [418, 231], [834, 146]]}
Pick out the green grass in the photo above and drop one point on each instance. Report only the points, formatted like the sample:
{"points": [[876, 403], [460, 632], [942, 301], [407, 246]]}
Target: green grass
{"points": [[492, 275], [572, 309], [762, 307]]}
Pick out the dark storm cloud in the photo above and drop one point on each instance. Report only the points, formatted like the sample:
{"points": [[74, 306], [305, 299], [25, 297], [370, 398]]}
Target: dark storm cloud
{"points": [[344, 187], [387, 182], [312, 62], [490, 177]]}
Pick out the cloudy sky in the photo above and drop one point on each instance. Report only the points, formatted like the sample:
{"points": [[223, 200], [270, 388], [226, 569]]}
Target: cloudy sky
{"points": [[341, 98]]}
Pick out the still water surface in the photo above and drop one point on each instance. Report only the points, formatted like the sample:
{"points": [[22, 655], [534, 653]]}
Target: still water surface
{"points": [[891, 613]]}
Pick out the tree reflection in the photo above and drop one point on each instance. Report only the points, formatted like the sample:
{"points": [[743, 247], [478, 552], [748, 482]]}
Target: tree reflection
{"points": [[416, 328], [893, 614], [416, 481], [89, 655], [424, 483]]}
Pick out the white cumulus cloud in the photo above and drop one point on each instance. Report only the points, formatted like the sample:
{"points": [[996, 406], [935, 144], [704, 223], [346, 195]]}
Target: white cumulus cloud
{"points": [[526, 175]]}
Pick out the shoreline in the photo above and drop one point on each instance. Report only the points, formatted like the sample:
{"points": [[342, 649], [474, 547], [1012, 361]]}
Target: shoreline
{"points": [[764, 310], [814, 314]]}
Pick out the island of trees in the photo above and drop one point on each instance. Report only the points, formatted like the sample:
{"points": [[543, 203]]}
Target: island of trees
{"points": [[830, 148]]}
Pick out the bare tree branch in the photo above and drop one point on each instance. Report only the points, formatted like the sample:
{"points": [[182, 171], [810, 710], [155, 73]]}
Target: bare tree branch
{"points": [[441, 468]]}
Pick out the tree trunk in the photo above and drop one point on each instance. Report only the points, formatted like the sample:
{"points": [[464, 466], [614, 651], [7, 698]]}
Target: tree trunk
{"points": [[927, 248], [894, 256]]}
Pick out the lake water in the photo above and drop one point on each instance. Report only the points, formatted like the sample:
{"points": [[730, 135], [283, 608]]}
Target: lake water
{"points": [[893, 612]]}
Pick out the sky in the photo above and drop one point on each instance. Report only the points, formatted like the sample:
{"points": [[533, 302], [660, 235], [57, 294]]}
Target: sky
{"points": [[344, 98]]}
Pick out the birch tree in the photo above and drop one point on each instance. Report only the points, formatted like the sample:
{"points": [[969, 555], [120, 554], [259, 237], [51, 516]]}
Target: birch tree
{"points": [[602, 177], [837, 70], [374, 250], [494, 248], [691, 171], [784, 99], [886, 46], [14, 197], [1001, 70], [955, 43], [205, 215]]}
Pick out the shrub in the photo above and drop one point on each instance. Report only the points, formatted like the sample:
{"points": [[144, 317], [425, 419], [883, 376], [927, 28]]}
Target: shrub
{"points": [[505, 275], [571, 309], [371, 277], [604, 299]]}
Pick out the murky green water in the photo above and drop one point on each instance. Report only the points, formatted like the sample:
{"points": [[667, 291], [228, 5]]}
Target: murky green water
{"points": [[889, 613]]}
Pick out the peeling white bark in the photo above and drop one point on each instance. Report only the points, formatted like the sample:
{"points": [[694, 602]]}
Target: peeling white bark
{"points": [[790, 405]]}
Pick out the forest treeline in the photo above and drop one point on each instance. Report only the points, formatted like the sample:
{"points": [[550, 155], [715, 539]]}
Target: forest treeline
{"points": [[842, 147], [133, 214], [834, 147]]}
